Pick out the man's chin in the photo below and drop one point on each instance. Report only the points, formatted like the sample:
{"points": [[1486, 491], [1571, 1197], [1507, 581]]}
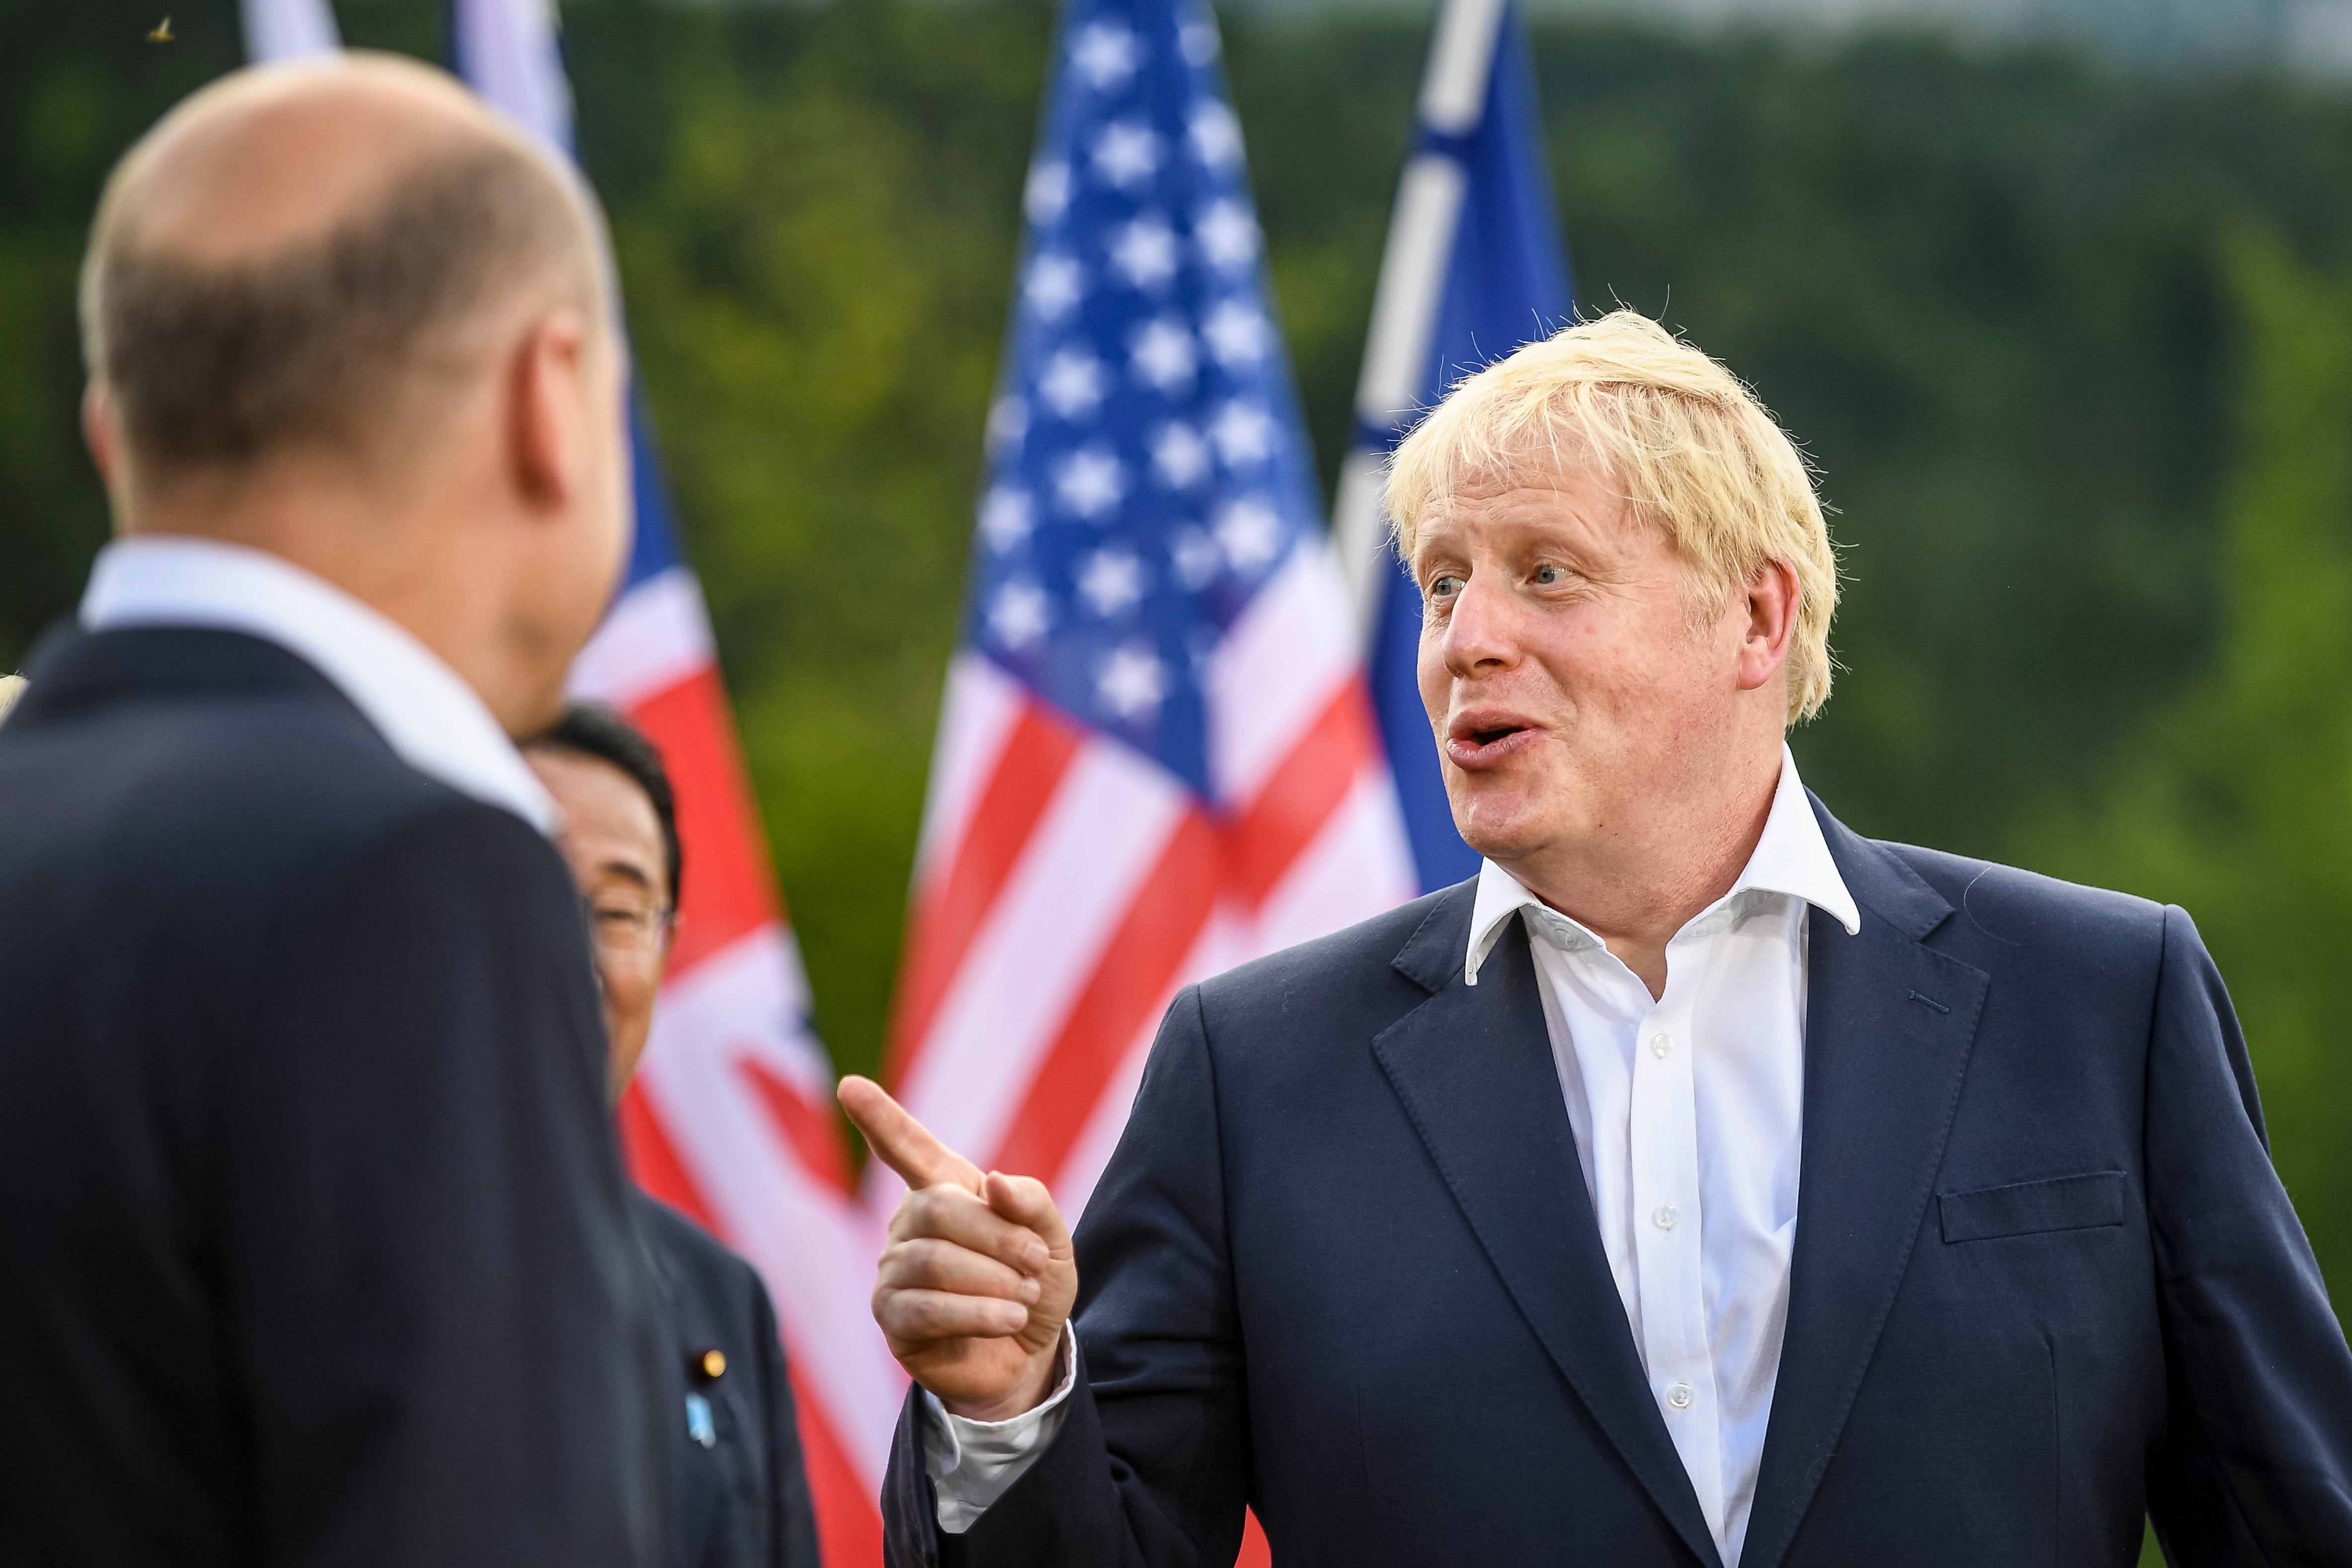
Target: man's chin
{"points": [[1502, 829]]}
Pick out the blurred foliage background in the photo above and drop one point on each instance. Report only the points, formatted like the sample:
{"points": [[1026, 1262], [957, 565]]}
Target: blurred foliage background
{"points": [[2071, 346]]}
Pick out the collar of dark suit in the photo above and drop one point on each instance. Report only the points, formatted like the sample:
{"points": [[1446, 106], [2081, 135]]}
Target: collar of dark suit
{"points": [[1890, 1022], [72, 670]]}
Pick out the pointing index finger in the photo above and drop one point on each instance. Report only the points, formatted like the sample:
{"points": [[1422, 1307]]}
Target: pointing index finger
{"points": [[903, 1143]]}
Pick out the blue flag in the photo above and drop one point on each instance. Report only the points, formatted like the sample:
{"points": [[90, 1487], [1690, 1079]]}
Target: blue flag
{"points": [[1475, 269]]}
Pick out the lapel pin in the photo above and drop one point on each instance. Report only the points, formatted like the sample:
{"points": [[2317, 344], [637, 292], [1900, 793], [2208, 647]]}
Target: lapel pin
{"points": [[161, 32], [707, 1366], [698, 1423]]}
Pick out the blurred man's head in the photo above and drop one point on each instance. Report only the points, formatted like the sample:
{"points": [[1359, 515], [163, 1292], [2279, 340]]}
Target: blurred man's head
{"points": [[620, 835], [343, 313], [1627, 588]]}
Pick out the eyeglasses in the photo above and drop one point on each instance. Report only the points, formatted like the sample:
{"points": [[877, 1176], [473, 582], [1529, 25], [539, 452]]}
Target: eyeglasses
{"points": [[618, 924]]}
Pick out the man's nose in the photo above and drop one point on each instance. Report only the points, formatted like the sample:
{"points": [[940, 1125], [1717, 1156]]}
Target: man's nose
{"points": [[1482, 633]]}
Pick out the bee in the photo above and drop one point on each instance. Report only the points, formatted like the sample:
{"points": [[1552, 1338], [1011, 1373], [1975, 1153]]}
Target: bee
{"points": [[161, 32]]}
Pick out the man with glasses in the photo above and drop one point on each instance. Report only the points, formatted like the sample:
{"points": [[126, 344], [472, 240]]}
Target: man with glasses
{"points": [[740, 1497]]}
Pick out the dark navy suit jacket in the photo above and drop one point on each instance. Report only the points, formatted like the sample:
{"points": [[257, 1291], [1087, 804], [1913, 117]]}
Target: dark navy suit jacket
{"points": [[741, 1495], [1343, 1268], [315, 1247]]}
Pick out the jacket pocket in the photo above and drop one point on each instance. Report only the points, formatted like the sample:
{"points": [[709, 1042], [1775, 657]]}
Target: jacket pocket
{"points": [[2030, 1207]]}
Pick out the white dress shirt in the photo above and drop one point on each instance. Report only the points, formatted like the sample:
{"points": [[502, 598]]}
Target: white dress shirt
{"points": [[1688, 1112], [423, 710]]}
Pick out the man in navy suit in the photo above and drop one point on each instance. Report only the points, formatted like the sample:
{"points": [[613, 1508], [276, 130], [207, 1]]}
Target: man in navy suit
{"points": [[1702, 1184], [317, 1246], [740, 1494]]}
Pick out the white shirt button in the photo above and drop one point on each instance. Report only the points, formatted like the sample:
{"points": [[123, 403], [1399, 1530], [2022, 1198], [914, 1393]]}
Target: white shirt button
{"points": [[1679, 1395], [1668, 1217], [1661, 1046]]}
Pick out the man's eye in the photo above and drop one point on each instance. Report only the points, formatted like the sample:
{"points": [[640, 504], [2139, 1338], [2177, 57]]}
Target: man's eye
{"points": [[1445, 585], [1547, 574]]}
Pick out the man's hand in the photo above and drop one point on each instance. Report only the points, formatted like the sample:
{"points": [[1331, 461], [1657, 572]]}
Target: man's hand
{"points": [[979, 1277]]}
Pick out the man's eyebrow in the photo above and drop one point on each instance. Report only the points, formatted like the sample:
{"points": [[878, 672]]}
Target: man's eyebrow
{"points": [[630, 870]]}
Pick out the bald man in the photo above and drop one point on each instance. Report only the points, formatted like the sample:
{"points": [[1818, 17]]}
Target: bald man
{"points": [[315, 1246]]}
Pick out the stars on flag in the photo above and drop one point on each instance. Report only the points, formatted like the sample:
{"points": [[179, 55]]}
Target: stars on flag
{"points": [[1005, 519], [1133, 680], [1046, 196], [1162, 354], [1145, 472], [1179, 456], [1111, 581], [1250, 533], [1244, 433], [1053, 287], [1236, 332], [1072, 384], [1019, 613], [1091, 482], [1216, 134], [1104, 54], [1145, 252], [1227, 235], [1127, 153]]}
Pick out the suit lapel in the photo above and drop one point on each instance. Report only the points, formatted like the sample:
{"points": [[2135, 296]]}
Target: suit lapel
{"points": [[1474, 1068], [1888, 1026]]}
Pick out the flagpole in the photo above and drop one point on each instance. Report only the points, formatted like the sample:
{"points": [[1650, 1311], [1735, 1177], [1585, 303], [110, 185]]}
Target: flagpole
{"points": [[289, 29], [1411, 284]]}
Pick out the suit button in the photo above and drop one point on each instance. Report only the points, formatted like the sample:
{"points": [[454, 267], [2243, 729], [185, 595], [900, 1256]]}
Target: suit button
{"points": [[1679, 1395], [706, 1365]]}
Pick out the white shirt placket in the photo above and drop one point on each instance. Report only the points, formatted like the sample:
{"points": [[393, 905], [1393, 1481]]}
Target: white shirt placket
{"points": [[1669, 1220]]}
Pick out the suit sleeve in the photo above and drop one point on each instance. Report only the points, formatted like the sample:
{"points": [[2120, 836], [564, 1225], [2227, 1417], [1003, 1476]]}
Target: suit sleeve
{"points": [[1152, 1467], [793, 1527], [445, 1327], [2256, 1463]]}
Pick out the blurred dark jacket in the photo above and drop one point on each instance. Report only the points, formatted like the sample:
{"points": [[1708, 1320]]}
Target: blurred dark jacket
{"points": [[317, 1246], [741, 1496], [1342, 1269]]}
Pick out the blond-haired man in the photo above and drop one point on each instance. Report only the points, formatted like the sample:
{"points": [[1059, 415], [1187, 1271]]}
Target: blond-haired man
{"points": [[1701, 1184]]}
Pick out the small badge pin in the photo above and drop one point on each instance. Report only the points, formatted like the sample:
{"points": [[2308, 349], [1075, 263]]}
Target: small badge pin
{"points": [[699, 1424], [161, 32]]}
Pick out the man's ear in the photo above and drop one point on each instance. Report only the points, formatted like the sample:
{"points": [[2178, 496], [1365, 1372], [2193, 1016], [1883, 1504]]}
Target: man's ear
{"points": [[548, 409], [1773, 598], [99, 431]]}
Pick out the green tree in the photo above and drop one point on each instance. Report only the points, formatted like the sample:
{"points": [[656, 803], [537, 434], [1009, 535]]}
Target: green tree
{"points": [[2234, 803]]}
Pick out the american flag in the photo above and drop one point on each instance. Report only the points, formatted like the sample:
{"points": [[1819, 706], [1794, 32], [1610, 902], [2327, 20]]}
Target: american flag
{"points": [[1156, 758]]}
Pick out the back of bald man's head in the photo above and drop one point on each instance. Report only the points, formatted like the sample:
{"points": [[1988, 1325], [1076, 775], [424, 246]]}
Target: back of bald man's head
{"points": [[314, 257]]}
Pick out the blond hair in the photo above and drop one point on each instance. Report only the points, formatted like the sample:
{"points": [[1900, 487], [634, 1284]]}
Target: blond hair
{"points": [[1691, 449], [11, 688]]}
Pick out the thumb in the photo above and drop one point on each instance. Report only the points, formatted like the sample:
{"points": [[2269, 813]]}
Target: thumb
{"points": [[900, 1142], [1025, 1200]]}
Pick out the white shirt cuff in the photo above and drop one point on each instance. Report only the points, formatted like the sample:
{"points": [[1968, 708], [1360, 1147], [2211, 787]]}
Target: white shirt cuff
{"points": [[973, 1463]]}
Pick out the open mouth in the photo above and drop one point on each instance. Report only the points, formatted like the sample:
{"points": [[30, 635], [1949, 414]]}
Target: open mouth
{"points": [[1479, 739]]}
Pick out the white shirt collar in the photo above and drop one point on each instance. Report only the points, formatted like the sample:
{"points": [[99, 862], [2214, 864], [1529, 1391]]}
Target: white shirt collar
{"points": [[1791, 858], [429, 716]]}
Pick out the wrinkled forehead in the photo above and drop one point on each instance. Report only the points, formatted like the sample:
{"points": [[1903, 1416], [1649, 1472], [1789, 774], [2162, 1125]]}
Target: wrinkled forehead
{"points": [[1569, 495]]}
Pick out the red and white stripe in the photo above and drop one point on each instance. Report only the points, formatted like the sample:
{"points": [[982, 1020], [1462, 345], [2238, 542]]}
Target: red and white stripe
{"points": [[1067, 885]]}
